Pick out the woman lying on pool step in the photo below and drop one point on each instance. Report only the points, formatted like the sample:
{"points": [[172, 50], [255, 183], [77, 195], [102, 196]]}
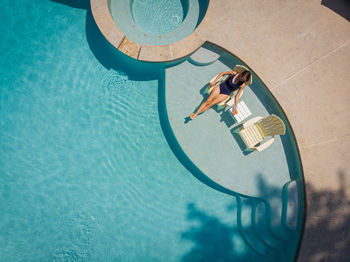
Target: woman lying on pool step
{"points": [[237, 81]]}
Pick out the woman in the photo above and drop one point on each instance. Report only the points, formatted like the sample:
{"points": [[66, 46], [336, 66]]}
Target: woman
{"points": [[223, 91]]}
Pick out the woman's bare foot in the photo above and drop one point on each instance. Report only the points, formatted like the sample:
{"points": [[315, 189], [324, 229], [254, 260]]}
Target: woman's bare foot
{"points": [[192, 116]]}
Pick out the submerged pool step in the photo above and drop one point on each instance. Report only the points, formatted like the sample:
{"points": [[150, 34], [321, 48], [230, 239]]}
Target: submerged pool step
{"points": [[246, 226], [204, 56], [262, 225], [277, 226]]}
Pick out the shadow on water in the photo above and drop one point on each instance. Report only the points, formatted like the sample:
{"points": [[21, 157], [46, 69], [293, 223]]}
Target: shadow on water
{"points": [[81, 4], [203, 7], [325, 238], [107, 55], [216, 240], [212, 239], [341, 7], [184, 5], [111, 58]]}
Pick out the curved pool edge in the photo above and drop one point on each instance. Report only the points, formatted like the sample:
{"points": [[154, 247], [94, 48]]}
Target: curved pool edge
{"points": [[301, 217], [172, 52], [143, 52], [303, 214], [185, 160]]}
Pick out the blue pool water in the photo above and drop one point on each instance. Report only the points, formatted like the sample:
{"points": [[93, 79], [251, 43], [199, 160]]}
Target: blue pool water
{"points": [[159, 17], [87, 166], [157, 22]]}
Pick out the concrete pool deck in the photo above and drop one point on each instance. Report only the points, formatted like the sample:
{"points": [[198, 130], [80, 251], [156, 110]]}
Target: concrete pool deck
{"points": [[301, 50]]}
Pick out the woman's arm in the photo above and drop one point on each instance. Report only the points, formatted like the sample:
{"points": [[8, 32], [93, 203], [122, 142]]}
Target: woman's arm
{"points": [[237, 97], [220, 75]]}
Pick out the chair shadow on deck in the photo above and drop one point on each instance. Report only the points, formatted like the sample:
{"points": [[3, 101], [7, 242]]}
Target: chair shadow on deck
{"points": [[228, 119], [211, 237]]}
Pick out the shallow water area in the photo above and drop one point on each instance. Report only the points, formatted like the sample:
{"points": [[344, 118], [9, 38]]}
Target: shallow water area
{"points": [[268, 183], [86, 172]]}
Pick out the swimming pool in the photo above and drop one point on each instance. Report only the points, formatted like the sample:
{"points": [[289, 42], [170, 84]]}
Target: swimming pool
{"points": [[86, 171]]}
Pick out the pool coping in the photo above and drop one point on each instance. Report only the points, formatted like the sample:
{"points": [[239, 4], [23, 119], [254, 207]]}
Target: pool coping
{"points": [[143, 52]]}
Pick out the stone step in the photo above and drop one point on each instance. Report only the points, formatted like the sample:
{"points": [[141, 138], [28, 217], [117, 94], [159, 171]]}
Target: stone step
{"points": [[204, 56], [262, 227], [246, 227], [130, 48], [277, 225]]}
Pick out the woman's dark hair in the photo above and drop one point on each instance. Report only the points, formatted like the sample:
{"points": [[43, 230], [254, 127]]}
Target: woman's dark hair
{"points": [[244, 76]]}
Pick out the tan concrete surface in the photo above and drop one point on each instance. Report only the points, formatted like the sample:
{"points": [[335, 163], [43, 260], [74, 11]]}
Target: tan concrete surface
{"points": [[162, 53], [96, 4], [276, 38], [129, 48], [155, 53], [317, 99], [323, 162], [187, 46]]}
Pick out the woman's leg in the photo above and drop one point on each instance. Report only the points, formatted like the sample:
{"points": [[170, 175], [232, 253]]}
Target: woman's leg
{"points": [[214, 98]]}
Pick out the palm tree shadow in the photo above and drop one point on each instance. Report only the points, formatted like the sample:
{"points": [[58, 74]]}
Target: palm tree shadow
{"points": [[341, 7], [327, 234], [213, 239]]}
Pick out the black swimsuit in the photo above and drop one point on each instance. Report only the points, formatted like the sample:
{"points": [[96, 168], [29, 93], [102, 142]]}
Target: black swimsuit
{"points": [[228, 87]]}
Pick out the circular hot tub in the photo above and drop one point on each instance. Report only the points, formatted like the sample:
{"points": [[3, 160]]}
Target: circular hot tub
{"points": [[159, 16], [157, 22]]}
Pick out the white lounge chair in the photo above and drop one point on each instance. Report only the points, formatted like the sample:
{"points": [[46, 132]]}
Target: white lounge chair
{"points": [[230, 100], [256, 129]]}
